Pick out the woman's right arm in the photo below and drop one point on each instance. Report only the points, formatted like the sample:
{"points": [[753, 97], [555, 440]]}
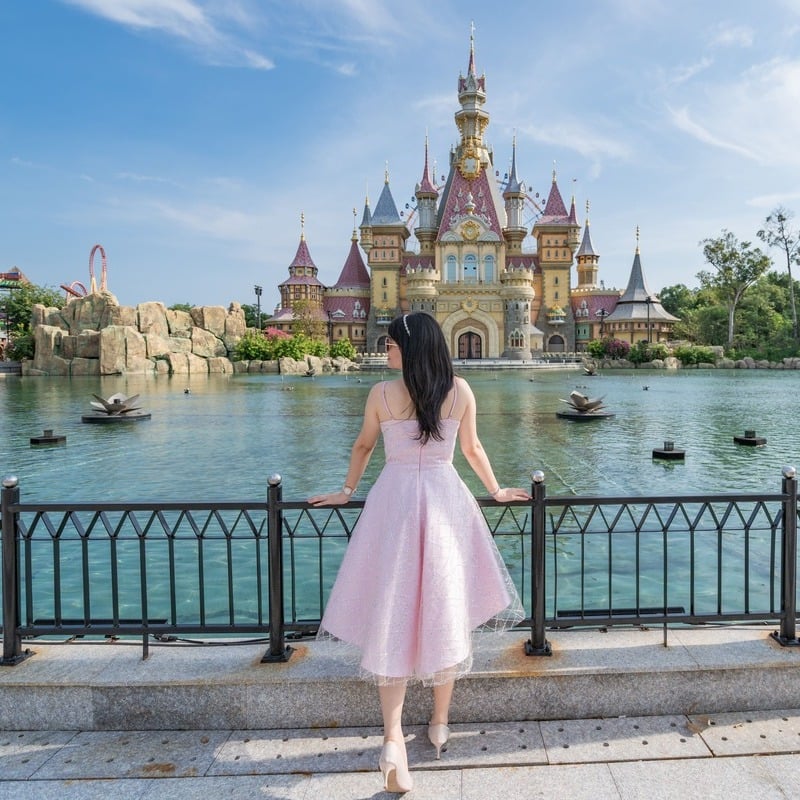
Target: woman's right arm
{"points": [[476, 456], [360, 454]]}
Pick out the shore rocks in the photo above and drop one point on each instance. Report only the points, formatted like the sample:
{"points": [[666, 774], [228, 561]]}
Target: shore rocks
{"points": [[94, 335]]}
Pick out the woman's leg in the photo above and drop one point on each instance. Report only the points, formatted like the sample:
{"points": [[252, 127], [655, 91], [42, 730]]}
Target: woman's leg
{"points": [[442, 694], [392, 699]]}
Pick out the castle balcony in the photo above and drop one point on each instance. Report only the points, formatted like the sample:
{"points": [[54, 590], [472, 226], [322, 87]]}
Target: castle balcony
{"points": [[383, 317], [556, 316]]}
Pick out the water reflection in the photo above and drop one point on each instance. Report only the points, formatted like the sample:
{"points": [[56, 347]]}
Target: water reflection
{"points": [[229, 433]]}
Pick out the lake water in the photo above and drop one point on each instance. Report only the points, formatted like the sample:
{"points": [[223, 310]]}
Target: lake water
{"points": [[228, 434], [222, 439]]}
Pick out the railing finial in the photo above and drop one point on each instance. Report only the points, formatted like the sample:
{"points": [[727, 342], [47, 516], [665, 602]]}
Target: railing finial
{"points": [[537, 476], [789, 471], [10, 481], [274, 479]]}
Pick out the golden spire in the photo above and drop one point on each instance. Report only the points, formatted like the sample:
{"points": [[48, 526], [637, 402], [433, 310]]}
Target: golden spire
{"points": [[355, 224], [302, 226]]}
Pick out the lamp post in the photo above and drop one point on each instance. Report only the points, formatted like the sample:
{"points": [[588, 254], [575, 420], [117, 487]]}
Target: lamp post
{"points": [[649, 300], [602, 313], [258, 291]]}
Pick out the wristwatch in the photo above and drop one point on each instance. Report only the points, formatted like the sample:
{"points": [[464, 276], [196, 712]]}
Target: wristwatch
{"points": [[347, 490]]}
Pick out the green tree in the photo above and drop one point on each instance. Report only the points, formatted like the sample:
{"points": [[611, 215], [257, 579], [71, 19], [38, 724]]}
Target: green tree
{"points": [[777, 232], [307, 320], [17, 308], [251, 316], [181, 307], [737, 266], [343, 348], [677, 299], [18, 304]]}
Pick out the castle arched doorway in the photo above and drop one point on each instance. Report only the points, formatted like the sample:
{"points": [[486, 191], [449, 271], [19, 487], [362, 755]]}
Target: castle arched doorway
{"points": [[556, 344], [470, 345]]}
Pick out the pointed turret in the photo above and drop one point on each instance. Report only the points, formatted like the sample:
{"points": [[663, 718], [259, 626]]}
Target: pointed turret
{"points": [[514, 196], [302, 283], [587, 258], [386, 211], [427, 196], [366, 227], [638, 305]]}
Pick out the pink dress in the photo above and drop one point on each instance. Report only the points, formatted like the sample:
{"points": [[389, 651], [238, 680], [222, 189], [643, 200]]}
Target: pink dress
{"points": [[421, 571]]}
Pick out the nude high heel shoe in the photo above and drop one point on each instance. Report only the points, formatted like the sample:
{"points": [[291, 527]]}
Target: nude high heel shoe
{"points": [[438, 733], [394, 767]]}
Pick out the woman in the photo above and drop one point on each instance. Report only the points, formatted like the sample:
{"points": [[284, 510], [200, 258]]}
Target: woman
{"points": [[421, 571]]}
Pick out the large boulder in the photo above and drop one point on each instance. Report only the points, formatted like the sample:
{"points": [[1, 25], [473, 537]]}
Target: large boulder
{"points": [[47, 357], [178, 363], [210, 318], [112, 350], [152, 318], [235, 327], [206, 344], [179, 322]]}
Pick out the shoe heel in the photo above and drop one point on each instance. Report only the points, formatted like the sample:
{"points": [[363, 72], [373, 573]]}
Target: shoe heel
{"points": [[438, 734], [396, 777]]}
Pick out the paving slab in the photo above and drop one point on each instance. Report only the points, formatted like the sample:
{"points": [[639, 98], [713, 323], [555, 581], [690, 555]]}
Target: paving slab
{"points": [[24, 752], [750, 732], [709, 779], [621, 739], [576, 782], [134, 754]]}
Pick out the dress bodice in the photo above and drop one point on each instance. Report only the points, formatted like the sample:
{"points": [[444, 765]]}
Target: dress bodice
{"points": [[402, 446]]}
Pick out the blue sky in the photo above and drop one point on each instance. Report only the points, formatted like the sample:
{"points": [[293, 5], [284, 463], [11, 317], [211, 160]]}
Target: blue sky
{"points": [[187, 136]]}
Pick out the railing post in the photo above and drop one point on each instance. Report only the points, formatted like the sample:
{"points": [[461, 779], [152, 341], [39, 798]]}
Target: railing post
{"points": [[788, 635], [12, 643], [537, 645], [278, 650]]}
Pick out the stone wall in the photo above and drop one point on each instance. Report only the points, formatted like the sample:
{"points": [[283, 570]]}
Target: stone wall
{"points": [[94, 335]]}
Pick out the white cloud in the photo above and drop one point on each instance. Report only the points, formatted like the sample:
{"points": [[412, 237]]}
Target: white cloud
{"points": [[682, 120], [756, 114], [188, 20], [727, 34]]}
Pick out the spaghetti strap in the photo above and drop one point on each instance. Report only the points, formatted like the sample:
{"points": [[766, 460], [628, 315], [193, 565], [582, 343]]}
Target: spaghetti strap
{"points": [[385, 404], [455, 397]]}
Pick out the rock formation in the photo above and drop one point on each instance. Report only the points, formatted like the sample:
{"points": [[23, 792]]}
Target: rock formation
{"points": [[94, 335]]}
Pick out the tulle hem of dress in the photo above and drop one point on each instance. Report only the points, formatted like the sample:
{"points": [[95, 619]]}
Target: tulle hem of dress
{"points": [[504, 621]]}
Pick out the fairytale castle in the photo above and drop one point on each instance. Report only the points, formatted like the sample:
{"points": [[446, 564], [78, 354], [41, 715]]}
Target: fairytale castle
{"points": [[470, 265]]}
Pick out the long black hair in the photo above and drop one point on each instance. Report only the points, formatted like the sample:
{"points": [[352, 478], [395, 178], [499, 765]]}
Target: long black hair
{"points": [[427, 368]]}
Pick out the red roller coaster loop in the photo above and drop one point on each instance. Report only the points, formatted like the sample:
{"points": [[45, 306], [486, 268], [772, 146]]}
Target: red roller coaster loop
{"points": [[92, 283]]}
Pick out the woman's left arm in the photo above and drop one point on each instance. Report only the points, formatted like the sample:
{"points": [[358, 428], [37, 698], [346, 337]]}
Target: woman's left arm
{"points": [[476, 456]]}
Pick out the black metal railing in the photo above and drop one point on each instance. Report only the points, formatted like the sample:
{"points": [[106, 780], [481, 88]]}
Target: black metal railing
{"points": [[264, 568]]}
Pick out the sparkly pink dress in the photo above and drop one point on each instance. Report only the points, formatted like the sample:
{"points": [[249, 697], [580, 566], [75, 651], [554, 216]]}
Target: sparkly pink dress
{"points": [[421, 571]]}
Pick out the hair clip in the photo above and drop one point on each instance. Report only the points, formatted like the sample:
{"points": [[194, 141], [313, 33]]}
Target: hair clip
{"points": [[405, 324]]}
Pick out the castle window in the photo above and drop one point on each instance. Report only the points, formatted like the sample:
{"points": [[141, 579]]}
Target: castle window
{"points": [[384, 282], [516, 339], [488, 269], [470, 269], [555, 281], [451, 274]]}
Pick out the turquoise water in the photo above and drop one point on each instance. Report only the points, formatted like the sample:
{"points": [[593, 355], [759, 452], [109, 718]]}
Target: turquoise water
{"points": [[228, 434], [224, 438]]}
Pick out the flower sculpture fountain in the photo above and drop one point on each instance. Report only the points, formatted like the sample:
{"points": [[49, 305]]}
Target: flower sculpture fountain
{"points": [[118, 408], [581, 408]]}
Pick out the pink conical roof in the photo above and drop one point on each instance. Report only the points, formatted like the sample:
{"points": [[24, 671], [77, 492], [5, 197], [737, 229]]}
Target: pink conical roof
{"points": [[354, 273]]}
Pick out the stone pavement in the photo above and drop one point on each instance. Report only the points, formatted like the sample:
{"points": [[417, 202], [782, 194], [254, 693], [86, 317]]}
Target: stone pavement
{"points": [[90, 720]]}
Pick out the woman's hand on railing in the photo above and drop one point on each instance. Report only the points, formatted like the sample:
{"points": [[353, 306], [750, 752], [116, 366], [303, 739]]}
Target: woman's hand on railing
{"points": [[332, 499], [509, 495]]}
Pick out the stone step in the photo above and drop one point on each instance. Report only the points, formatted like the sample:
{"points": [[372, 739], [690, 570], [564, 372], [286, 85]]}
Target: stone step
{"points": [[92, 686]]}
